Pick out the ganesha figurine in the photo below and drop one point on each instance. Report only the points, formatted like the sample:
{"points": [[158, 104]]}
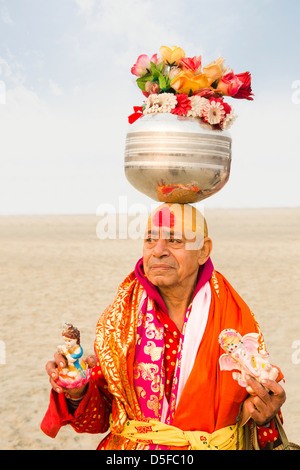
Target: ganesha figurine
{"points": [[242, 355], [76, 373]]}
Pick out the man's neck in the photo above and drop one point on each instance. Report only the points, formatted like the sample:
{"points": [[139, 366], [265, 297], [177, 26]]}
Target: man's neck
{"points": [[177, 300]]}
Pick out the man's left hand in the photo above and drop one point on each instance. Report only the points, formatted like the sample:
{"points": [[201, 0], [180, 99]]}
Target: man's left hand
{"points": [[267, 401]]}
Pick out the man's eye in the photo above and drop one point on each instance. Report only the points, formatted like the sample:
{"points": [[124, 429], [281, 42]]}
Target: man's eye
{"points": [[175, 241]]}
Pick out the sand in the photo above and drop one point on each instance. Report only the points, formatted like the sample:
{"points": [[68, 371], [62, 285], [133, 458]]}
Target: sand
{"points": [[54, 269]]}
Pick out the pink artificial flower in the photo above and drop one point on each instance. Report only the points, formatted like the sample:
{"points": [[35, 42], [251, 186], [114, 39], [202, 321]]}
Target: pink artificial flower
{"points": [[229, 84], [237, 86], [142, 65], [152, 88], [192, 64]]}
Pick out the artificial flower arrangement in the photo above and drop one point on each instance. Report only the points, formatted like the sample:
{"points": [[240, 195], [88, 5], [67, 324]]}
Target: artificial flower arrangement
{"points": [[179, 85]]}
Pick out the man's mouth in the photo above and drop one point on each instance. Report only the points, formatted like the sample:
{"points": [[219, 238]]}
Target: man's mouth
{"points": [[161, 266]]}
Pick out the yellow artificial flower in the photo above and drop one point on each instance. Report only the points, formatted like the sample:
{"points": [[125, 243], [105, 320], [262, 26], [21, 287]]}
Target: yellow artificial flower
{"points": [[185, 82], [171, 55], [215, 70]]}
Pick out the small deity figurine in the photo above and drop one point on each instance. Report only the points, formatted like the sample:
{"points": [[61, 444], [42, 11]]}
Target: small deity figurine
{"points": [[76, 373], [241, 354]]}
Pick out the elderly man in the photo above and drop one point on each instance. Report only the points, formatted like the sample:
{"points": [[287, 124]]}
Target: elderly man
{"points": [[156, 380]]}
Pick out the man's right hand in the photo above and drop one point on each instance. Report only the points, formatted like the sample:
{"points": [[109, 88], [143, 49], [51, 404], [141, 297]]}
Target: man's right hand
{"points": [[60, 361]]}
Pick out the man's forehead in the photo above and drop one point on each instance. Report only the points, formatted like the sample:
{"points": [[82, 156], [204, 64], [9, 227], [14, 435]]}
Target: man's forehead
{"points": [[164, 232], [163, 217], [179, 217]]}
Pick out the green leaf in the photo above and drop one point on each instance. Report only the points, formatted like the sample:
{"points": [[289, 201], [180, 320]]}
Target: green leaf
{"points": [[153, 68], [167, 84], [162, 81], [142, 80], [160, 67]]}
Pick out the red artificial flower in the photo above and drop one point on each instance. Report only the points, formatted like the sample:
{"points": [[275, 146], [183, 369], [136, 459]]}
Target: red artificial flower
{"points": [[226, 107], [245, 90], [183, 105], [207, 93], [192, 64], [138, 112], [229, 84]]}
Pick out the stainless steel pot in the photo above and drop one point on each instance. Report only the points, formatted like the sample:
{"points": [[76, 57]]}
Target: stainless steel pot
{"points": [[176, 159]]}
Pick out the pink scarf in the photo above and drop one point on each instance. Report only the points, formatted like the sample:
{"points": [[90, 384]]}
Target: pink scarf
{"points": [[149, 374]]}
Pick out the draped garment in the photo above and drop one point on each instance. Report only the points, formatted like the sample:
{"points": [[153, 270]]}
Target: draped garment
{"points": [[210, 398]]}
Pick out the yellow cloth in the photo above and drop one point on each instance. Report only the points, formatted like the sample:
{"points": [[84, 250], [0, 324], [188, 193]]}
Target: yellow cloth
{"points": [[155, 432]]}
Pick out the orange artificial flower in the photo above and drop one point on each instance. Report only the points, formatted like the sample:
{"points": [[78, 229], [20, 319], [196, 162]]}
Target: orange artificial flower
{"points": [[171, 55], [186, 81], [215, 70]]}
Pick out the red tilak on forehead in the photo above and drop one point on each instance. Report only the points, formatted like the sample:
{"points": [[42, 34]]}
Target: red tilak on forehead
{"points": [[164, 218]]}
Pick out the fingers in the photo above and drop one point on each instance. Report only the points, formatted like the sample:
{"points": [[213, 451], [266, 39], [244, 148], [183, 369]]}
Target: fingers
{"points": [[52, 371], [258, 389], [261, 413], [275, 388], [91, 361], [60, 360], [267, 390], [267, 401]]}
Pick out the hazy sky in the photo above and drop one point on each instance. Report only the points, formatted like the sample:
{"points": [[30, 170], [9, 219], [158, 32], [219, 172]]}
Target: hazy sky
{"points": [[66, 91]]}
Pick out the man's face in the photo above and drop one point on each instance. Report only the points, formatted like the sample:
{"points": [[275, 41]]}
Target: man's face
{"points": [[167, 261]]}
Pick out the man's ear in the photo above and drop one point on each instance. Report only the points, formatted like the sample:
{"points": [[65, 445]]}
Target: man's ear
{"points": [[205, 251]]}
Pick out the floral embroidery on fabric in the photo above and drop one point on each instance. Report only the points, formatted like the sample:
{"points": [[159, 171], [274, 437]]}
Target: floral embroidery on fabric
{"points": [[143, 429], [215, 283], [115, 335], [261, 342], [148, 364], [153, 350], [174, 388]]}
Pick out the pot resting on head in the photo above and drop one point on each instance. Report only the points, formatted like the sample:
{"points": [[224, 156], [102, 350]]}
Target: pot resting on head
{"points": [[176, 159]]}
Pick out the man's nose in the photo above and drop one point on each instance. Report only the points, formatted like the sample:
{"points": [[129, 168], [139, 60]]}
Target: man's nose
{"points": [[161, 248]]}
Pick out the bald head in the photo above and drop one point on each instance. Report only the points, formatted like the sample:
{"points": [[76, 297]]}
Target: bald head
{"points": [[181, 221]]}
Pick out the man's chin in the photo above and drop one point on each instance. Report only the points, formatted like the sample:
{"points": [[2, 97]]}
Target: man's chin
{"points": [[161, 280]]}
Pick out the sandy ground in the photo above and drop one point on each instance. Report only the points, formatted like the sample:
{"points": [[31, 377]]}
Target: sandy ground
{"points": [[55, 269]]}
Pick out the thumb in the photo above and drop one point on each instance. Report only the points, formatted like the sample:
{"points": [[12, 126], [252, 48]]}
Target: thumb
{"points": [[91, 361]]}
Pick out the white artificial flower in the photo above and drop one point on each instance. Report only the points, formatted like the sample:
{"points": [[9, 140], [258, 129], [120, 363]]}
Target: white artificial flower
{"points": [[197, 103], [167, 102], [229, 120], [162, 103], [213, 112], [152, 104]]}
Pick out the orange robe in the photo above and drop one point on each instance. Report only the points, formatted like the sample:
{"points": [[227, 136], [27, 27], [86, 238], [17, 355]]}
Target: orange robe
{"points": [[210, 399]]}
